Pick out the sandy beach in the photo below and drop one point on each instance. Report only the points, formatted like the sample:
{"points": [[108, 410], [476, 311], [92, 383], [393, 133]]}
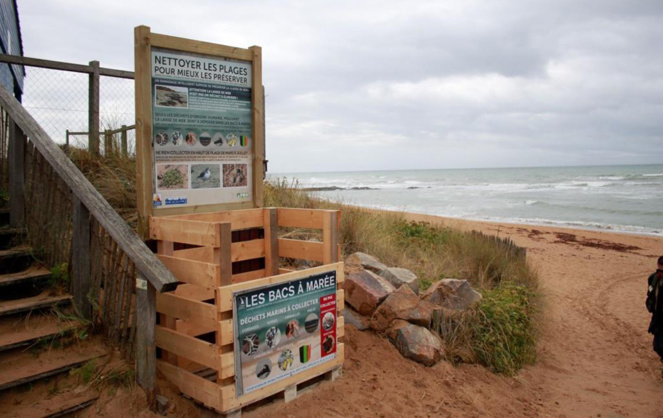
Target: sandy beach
{"points": [[594, 353]]}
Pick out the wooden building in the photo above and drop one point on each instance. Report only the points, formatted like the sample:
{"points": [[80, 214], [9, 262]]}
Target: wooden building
{"points": [[11, 43]]}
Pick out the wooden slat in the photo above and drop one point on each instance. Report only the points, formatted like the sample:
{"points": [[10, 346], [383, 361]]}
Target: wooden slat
{"points": [[305, 250], [251, 275], [286, 271], [226, 332], [200, 47], [247, 250], [178, 307], [202, 390], [207, 354], [204, 254], [258, 127], [222, 254], [340, 300], [224, 301], [193, 292], [193, 328], [184, 231], [143, 96], [192, 272], [199, 209], [301, 218], [340, 326], [330, 238], [340, 277], [238, 219], [271, 222]]}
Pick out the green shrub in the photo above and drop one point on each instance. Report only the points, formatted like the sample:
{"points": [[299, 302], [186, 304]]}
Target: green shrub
{"points": [[503, 328]]}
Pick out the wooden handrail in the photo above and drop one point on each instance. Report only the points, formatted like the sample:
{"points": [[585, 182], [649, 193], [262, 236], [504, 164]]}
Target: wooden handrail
{"points": [[64, 66], [146, 262]]}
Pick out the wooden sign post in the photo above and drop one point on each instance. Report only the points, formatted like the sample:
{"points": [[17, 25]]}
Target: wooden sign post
{"points": [[199, 126]]}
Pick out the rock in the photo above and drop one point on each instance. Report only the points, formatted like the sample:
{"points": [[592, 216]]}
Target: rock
{"points": [[402, 304], [365, 261], [392, 331], [365, 290], [417, 343], [354, 318], [452, 294], [399, 276]]}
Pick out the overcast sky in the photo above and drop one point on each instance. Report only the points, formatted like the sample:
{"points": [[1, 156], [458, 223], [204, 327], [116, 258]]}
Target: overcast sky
{"points": [[381, 85]]}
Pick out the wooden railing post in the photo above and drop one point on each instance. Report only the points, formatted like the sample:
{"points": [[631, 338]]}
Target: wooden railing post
{"points": [[222, 256], [80, 258], [93, 108], [146, 355], [16, 176], [123, 138], [108, 143], [271, 223], [330, 237]]}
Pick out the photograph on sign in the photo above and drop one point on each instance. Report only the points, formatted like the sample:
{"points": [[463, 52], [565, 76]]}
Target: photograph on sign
{"points": [[283, 329], [202, 127]]}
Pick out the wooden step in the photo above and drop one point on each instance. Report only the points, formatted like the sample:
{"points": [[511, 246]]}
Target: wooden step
{"points": [[41, 301], [4, 216], [20, 367], [61, 404], [15, 259], [31, 274], [10, 237], [18, 332]]}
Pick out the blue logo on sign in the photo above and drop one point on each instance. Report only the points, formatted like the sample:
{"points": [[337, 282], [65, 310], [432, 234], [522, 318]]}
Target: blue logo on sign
{"points": [[176, 201]]}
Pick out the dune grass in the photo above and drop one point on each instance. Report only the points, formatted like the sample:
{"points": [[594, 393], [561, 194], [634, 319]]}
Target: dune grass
{"points": [[499, 332], [114, 176]]}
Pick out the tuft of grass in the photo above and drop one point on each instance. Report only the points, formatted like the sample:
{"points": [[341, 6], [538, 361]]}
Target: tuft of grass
{"points": [[87, 372], [60, 276], [504, 333], [121, 377]]}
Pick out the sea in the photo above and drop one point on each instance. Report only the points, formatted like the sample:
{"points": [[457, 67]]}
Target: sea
{"points": [[624, 198]]}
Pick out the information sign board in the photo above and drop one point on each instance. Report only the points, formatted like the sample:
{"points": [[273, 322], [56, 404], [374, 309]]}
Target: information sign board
{"points": [[283, 329], [199, 126]]}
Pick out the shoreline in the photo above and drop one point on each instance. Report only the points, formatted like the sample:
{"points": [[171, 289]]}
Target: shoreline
{"points": [[460, 220]]}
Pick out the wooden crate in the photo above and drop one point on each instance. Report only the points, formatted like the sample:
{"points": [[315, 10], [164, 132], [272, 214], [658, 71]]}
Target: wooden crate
{"points": [[195, 330]]}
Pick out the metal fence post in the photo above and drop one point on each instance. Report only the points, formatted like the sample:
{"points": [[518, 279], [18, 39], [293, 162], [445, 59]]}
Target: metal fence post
{"points": [[16, 176], [93, 106]]}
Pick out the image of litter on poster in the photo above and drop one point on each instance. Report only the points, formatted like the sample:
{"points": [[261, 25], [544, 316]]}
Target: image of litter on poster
{"points": [[283, 330], [201, 110]]}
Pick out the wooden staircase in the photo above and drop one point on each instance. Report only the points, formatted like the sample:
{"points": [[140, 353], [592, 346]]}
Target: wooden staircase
{"points": [[40, 339]]}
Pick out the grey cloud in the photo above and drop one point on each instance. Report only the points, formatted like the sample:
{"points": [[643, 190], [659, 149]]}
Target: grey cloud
{"points": [[386, 84]]}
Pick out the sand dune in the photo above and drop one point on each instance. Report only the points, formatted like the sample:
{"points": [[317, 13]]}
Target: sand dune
{"points": [[595, 355]]}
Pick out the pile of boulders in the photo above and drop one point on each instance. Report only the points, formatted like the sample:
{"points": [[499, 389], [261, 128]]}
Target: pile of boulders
{"points": [[386, 299]]}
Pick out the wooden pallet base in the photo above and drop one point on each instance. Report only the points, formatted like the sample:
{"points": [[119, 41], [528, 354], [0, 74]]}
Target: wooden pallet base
{"points": [[289, 394]]}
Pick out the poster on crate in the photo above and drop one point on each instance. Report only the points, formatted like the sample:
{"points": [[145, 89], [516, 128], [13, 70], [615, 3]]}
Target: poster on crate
{"points": [[201, 127], [283, 329]]}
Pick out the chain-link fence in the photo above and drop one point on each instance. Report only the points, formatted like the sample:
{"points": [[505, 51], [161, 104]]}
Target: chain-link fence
{"points": [[60, 101]]}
